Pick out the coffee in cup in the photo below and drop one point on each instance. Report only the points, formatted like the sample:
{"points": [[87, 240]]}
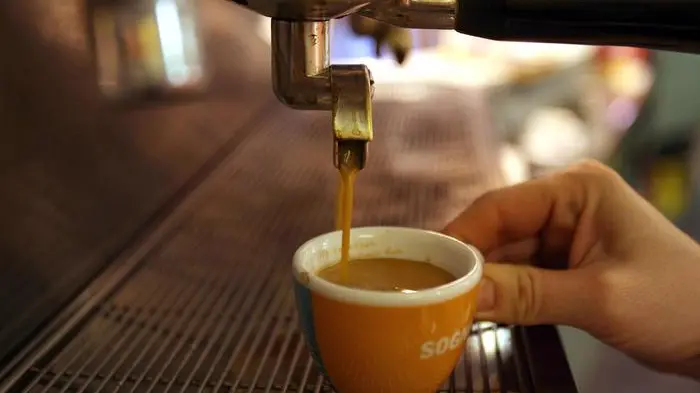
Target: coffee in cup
{"points": [[383, 340], [387, 274]]}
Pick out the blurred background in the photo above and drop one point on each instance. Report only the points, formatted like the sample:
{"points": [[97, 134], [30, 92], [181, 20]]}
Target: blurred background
{"points": [[82, 182]]}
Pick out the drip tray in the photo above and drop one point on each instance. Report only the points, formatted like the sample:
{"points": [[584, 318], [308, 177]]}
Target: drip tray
{"points": [[166, 333], [204, 303]]}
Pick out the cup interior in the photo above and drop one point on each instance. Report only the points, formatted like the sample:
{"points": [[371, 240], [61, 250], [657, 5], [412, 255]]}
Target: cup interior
{"points": [[461, 260]]}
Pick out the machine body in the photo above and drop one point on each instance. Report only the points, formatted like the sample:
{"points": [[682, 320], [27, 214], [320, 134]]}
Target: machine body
{"points": [[150, 48]]}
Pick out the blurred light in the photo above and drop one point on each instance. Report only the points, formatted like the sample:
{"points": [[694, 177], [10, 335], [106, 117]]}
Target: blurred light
{"points": [[514, 165], [621, 113], [484, 325], [495, 341], [489, 340], [264, 29], [416, 92], [171, 39], [555, 137], [628, 77]]}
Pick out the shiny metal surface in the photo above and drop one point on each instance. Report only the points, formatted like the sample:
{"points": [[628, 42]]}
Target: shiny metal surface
{"points": [[151, 48], [300, 64], [414, 14], [147, 49], [418, 14], [351, 114], [303, 10], [304, 79]]}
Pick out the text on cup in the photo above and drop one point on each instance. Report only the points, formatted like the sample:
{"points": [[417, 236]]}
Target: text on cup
{"points": [[432, 348]]}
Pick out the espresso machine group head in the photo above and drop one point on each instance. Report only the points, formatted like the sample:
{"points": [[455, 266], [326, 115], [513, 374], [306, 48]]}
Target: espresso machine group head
{"points": [[151, 49]]}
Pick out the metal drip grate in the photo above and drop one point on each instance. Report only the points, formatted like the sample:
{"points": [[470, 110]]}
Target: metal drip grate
{"points": [[207, 303], [167, 331]]}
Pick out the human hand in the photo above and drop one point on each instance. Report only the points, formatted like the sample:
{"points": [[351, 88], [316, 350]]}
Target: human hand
{"points": [[582, 248]]}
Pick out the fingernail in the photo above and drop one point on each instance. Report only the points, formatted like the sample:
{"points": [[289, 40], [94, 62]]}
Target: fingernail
{"points": [[486, 300]]}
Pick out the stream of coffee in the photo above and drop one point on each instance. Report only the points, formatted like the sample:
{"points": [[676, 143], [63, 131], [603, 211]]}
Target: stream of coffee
{"points": [[344, 213], [378, 274]]}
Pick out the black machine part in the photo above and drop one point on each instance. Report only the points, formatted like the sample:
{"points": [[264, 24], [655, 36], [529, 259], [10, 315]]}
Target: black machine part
{"points": [[655, 24]]}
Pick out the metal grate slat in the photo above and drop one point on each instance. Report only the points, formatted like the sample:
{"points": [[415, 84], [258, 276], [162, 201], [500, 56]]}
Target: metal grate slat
{"points": [[212, 310], [201, 328], [86, 350], [196, 308], [125, 333], [80, 381], [151, 325], [159, 325], [293, 365], [256, 282], [253, 352]]}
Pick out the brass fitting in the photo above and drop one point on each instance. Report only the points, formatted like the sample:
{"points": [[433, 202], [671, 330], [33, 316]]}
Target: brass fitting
{"points": [[352, 90]]}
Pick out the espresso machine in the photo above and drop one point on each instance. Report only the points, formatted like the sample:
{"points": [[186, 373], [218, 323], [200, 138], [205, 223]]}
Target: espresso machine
{"points": [[146, 236], [149, 48]]}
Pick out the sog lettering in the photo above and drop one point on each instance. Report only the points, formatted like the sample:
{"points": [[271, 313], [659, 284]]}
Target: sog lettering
{"points": [[444, 344]]}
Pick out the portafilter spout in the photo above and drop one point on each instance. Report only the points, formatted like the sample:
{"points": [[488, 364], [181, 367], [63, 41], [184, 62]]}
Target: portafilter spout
{"points": [[303, 78]]}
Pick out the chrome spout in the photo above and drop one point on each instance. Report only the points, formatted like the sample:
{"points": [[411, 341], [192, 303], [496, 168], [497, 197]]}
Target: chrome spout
{"points": [[300, 64]]}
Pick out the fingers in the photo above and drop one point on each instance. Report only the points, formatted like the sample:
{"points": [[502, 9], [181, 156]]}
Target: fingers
{"points": [[511, 214], [522, 251], [551, 219], [526, 295], [552, 204]]}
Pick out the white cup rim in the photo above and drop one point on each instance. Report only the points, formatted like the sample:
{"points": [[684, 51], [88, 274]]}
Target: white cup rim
{"points": [[463, 284]]}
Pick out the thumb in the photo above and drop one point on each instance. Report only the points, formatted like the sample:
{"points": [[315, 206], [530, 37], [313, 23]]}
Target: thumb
{"points": [[526, 295]]}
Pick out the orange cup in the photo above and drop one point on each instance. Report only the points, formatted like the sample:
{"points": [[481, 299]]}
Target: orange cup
{"points": [[386, 342]]}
